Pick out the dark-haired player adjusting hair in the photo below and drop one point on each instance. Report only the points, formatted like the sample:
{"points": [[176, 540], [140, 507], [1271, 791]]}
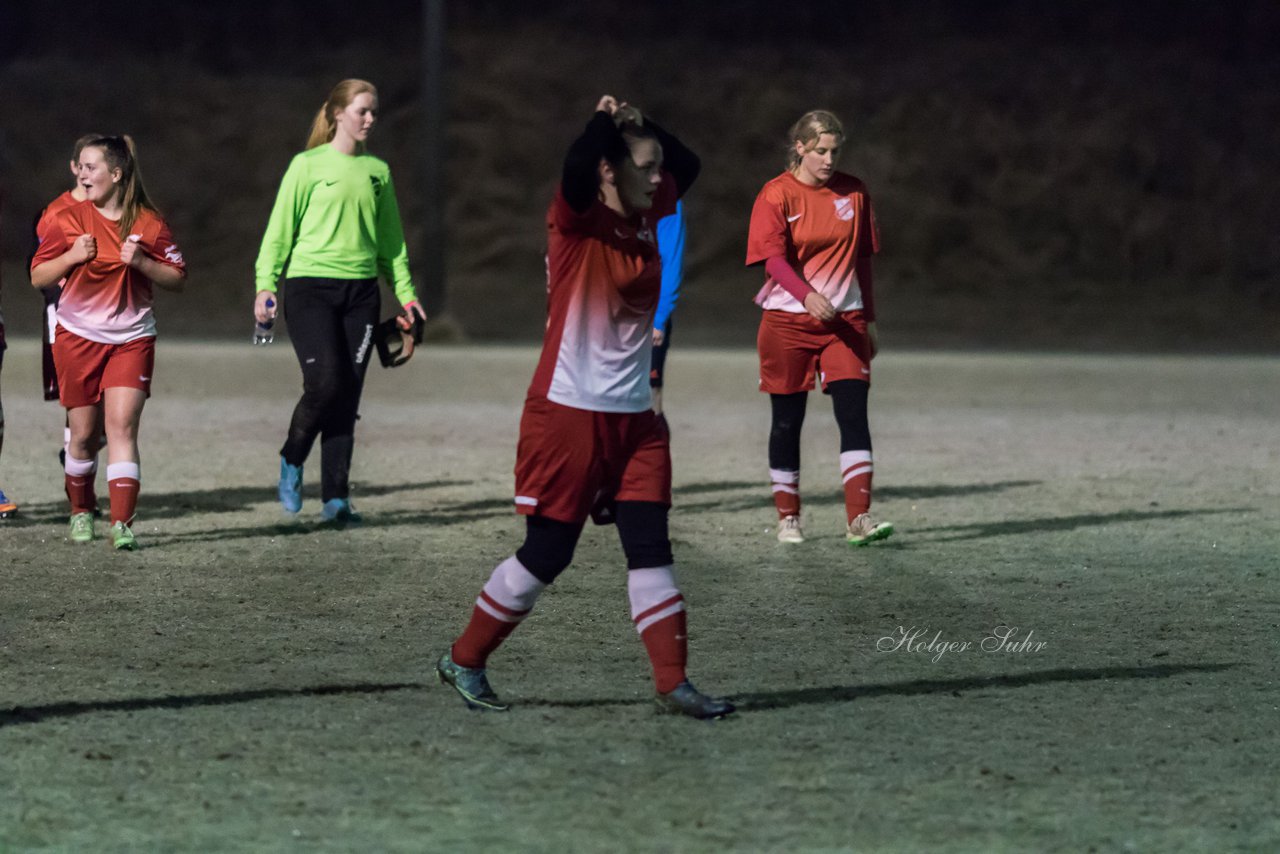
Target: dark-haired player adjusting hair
{"points": [[590, 443], [334, 228], [111, 248], [813, 230]]}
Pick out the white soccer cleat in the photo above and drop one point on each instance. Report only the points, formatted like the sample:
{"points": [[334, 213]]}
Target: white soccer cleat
{"points": [[863, 529], [789, 530]]}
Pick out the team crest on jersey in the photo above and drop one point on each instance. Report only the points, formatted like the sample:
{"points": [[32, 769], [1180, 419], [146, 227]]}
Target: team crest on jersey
{"points": [[172, 255], [844, 208], [377, 185]]}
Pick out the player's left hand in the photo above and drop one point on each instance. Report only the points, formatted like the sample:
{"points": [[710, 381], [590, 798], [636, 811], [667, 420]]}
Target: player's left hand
{"points": [[129, 253], [412, 309]]}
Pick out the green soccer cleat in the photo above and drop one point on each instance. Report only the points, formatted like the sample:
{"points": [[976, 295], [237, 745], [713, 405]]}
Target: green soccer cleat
{"points": [[688, 700], [122, 538], [863, 530], [81, 530], [471, 684]]}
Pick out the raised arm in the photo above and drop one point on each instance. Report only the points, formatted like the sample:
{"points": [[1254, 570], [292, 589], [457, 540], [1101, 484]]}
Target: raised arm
{"points": [[580, 181], [677, 159]]}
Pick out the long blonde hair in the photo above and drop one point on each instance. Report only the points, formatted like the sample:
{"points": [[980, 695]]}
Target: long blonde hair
{"points": [[324, 124], [807, 129], [120, 153]]}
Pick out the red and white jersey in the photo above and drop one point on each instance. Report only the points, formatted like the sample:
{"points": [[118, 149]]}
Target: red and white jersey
{"points": [[604, 276], [106, 300], [50, 214], [48, 217], [821, 231]]}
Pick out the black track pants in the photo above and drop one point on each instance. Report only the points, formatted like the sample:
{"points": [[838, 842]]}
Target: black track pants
{"points": [[331, 324]]}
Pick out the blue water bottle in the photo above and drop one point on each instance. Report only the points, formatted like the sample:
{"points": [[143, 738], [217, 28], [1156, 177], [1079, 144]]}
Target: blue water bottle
{"points": [[262, 334]]}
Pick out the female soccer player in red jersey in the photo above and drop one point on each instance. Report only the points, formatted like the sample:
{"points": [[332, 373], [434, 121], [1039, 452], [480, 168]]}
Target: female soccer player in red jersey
{"points": [[813, 231], [51, 294], [590, 443], [111, 248], [334, 228]]}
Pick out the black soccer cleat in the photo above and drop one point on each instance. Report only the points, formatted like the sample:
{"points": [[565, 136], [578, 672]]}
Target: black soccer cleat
{"points": [[688, 700]]}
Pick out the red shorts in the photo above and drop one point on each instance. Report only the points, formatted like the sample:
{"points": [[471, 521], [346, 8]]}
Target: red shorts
{"points": [[572, 463], [86, 367], [795, 346]]}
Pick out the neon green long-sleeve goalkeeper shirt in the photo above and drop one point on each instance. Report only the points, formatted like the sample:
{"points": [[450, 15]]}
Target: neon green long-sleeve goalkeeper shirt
{"points": [[335, 217]]}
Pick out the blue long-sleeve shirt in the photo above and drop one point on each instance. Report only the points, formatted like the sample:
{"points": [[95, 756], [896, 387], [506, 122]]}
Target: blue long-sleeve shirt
{"points": [[671, 233]]}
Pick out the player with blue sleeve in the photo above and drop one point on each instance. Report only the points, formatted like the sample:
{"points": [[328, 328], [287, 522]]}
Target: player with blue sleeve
{"points": [[671, 232]]}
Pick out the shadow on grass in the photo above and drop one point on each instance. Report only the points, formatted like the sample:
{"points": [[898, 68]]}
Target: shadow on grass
{"points": [[760, 701], [172, 505], [759, 495], [36, 714], [443, 516], [749, 702], [1014, 527]]}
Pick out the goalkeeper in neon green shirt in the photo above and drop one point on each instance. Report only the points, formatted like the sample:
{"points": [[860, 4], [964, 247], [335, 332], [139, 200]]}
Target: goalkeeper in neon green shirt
{"points": [[334, 229]]}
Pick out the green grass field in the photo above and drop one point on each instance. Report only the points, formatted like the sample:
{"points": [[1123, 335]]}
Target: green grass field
{"points": [[247, 683]]}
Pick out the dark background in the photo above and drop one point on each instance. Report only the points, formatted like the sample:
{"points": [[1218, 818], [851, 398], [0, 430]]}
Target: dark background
{"points": [[1072, 176]]}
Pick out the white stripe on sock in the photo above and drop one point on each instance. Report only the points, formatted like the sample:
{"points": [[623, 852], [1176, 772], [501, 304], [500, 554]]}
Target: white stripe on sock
{"points": [[649, 587], [513, 586], [852, 458], [659, 615], [79, 468], [131, 470], [857, 470]]}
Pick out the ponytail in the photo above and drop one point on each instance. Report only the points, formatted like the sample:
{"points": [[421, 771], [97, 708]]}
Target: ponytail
{"points": [[322, 128], [324, 124]]}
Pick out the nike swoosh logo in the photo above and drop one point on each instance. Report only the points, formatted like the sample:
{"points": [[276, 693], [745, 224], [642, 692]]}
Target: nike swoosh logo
{"points": [[621, 233], [794, 218], [330, 183]]}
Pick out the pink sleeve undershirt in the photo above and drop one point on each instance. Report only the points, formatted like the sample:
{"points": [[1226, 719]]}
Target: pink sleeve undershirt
{"points": [[782, 273]]}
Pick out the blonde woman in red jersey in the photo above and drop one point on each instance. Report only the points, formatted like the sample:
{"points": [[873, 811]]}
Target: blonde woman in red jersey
{"points": [[111, 249], [590, 443], [813, 231]]}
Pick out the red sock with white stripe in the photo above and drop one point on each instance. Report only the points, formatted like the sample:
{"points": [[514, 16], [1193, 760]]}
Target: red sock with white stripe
{"points": [[79, 483], [856, 469], [507, 598], [657, 609], [786, 492], [123, 483]]}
